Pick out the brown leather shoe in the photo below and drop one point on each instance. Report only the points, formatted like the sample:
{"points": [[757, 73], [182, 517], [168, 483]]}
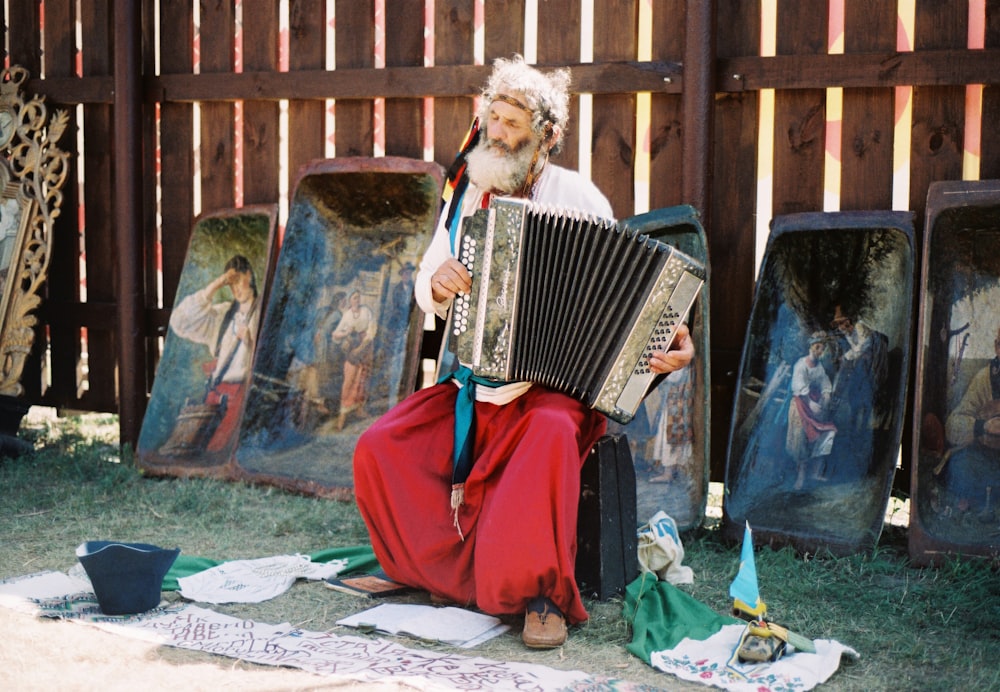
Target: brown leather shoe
{"points": [[544, 625]]}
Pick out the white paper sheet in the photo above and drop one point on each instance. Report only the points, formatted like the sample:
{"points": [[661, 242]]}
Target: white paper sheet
{"points": [[455, 626]]}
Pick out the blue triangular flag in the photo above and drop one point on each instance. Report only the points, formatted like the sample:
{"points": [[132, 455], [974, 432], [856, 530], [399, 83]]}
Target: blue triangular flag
{"points": [[746, 596]]}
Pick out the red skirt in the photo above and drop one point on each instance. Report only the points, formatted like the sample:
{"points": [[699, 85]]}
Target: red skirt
{"points": [[521, 498], [225, 434]]}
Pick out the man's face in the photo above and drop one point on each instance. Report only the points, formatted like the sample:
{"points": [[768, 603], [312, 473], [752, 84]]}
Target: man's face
{"points": [[501, 161], [816, 350], [844, 324], [508, 127]]}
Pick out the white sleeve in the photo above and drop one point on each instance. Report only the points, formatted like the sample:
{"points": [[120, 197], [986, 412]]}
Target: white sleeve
{"points": [[198, 319], [437, 252]]}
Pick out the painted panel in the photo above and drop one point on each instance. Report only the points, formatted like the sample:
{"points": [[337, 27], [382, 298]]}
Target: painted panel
{"points": [[191, 424], [341, 335], [955, 476], [818, 413]]}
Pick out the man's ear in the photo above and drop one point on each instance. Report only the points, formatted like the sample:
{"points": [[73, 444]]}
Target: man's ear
{"points": [[552, 133]]}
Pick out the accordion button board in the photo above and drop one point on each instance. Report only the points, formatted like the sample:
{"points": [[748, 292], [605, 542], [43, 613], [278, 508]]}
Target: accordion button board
{"points": [[569, 301]]}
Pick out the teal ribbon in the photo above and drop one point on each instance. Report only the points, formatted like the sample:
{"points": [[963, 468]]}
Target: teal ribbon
{"points": [[465, 420]]}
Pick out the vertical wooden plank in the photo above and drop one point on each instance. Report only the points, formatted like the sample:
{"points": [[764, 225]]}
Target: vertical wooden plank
{"points": [[937, 136], [404, 47], [64, 266], [800, 115], [613, 158], [261, 137], [989, 163], [127, 137], [503, 28], [155, 318], [868, 114], [666, 115], [559, 44], [25, 40], [306, 51], [176, 147], [103, 285], [732, 233], [452, 46], [218, 129], [868, 133], [355, 46]]}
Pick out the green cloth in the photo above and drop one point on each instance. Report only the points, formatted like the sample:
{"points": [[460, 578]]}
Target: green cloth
{"points": [[661, 615], [359, 558]]}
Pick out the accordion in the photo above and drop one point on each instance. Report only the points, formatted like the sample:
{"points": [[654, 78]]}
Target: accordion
{"points": [[569, 301]]}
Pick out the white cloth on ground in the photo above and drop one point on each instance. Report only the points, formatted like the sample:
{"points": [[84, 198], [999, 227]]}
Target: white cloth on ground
{"points": [[253, 581], [707, 661]]}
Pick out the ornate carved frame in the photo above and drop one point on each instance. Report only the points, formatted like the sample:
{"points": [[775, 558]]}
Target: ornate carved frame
{"points": [[32, 172]]}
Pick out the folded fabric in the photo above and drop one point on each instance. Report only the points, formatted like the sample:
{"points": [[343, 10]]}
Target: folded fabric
{"points": [[661, 616], [676, 633], [253, 581], [661, 550], [359, 559]]}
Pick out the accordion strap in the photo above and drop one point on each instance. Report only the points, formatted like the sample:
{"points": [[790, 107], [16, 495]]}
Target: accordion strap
{"points": [[465, 425]]}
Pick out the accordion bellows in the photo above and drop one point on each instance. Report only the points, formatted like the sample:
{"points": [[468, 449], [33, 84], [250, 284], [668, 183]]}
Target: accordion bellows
{"points": [[569, 301]]}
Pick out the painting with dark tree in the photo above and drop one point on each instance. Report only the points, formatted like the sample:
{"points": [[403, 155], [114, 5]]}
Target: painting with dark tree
{"points": [[817, 419], [955, 481], [340, 340]]}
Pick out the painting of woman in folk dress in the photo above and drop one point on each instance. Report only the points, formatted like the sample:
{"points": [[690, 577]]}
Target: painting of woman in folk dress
{"points": [[817, 420], [198, 397]]}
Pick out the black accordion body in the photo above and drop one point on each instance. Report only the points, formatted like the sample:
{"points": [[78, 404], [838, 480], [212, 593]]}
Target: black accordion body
{"points": [[569, 301]]}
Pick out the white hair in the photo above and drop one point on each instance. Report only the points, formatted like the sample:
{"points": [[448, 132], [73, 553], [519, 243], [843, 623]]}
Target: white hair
{"points": [[546, 95]]}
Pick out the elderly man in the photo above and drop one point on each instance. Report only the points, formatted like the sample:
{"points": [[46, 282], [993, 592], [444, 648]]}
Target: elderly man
{"points": [[506, 540]]}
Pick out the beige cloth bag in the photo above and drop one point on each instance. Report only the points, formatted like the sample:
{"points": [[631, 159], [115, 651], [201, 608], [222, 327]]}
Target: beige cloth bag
{"points": [[661, 552]]}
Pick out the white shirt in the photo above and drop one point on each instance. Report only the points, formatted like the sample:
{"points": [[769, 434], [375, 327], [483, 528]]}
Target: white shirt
{"points": [[198, 319]]}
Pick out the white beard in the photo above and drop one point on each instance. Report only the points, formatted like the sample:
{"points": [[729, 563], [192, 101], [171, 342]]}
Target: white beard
{"points": [[494, 168]]}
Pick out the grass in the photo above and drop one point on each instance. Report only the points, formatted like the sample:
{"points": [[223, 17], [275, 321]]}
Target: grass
{"points": [[915, 628]]}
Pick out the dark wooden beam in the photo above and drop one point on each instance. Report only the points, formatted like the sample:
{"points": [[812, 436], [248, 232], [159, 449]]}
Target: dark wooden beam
{"points": [[922, 68], [699, 113], [745, 73], [84, 90], [128, 217], [398, 82]]}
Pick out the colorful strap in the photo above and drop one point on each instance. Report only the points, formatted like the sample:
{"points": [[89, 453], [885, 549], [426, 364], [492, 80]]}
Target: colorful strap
{"points": [[465, 419], [457, 182]]}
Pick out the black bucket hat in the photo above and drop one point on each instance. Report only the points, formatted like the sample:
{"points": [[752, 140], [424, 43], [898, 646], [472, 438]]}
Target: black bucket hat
{"points": [[127, 577]]}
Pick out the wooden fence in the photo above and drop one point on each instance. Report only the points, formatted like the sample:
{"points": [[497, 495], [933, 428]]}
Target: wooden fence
{"points": [[744, 108]]}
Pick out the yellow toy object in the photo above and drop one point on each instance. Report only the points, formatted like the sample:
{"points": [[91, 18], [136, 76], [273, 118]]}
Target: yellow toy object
{"points": [[747, 612], [761, 640], [766, 641], [759, 643]]}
